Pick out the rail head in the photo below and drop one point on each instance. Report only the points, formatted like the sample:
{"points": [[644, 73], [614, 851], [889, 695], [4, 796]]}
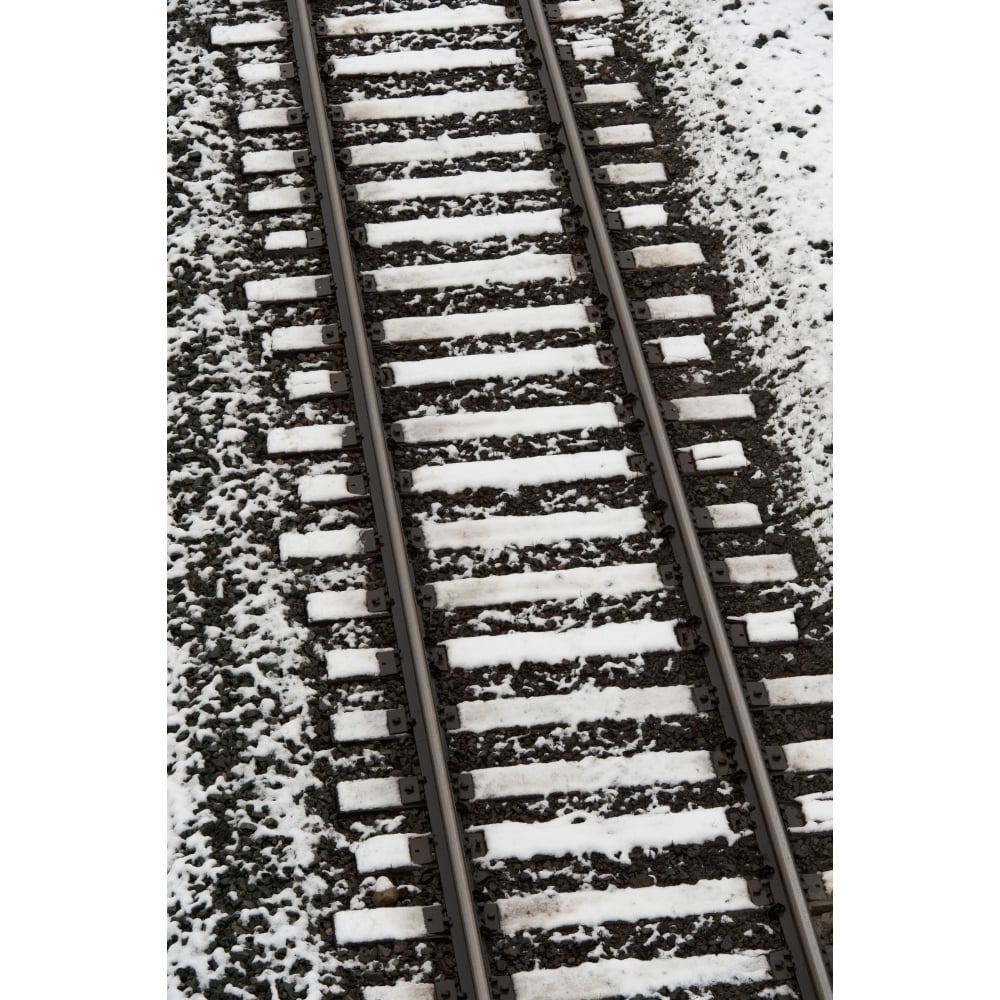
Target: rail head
{"points": [[471, 962]]}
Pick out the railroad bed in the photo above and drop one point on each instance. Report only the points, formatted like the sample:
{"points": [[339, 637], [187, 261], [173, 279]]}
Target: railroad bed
{"points": [[579, 706]]}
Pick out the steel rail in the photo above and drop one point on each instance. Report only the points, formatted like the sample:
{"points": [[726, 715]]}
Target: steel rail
{"points": [[670, 488], [471, 964]]}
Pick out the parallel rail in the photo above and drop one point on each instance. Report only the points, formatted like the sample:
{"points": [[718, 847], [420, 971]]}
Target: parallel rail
{"points": [[474, 977], [456, 875]]}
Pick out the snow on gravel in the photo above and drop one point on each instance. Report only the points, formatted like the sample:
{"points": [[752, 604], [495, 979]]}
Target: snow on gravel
{"points": [[751, 82], [249, 877]]}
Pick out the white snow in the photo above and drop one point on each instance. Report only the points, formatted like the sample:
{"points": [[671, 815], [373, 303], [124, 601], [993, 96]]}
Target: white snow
{"points": [[671, 307], [645, 217], [589, 704], [588, 49], [528, 420], [828, 880], [538, 529], [464, 228], [248, 33], [269, 161], [817, 807], [314, 437], [786, 692], [578, 10], [589, 908], [515, 269], [717, 456], [613, 977], [327, 488], [456, 185], [274, 199], [368, 793], [452, 102], [668, 255], [581, 832], [264, 118], [592, 774], [285, 239], [515, 648], [523, 319], [510, 365], [320, 544], [298, 338], [420, 61], [387, 923], [552, 585], [342, 664], [770, 626], [283, 289], [400, 991], [360, 724], [809, 755], [734, 515], [694, 409], [610, 93], [327, 606], [424, 19], [511, 474], [680, 350], [380, 853], [230, 596], [308, 385], [759, 127], [443, 147], [635, 173], [259, 72], [760, 569], [623, 135]]}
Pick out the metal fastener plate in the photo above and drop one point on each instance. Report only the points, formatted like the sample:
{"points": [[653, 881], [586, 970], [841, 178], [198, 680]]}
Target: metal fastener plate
{"points": [[739, 638], [491, 917], [388, 665], [434, 920], [356, 486], [704, 698], [640, 311], [446, 989], [475, 843], [781, 966], [377, 601], [411, 790], [397, 721], [421, 850]]}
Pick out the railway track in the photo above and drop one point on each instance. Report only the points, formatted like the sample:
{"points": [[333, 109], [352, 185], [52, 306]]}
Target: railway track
{"points": [[507, 517]]}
